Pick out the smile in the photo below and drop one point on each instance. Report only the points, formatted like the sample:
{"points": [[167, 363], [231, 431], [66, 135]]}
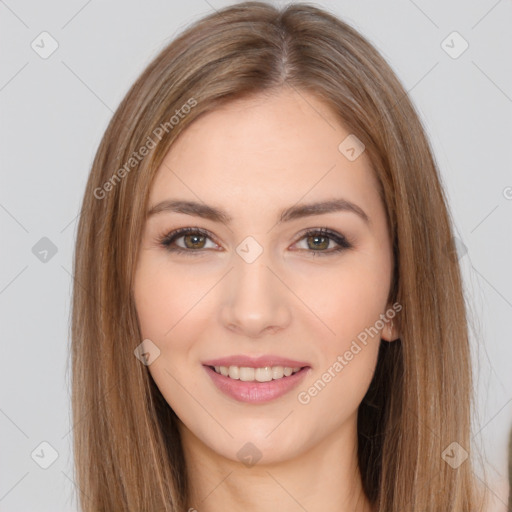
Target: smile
{"points": [[252, 390], [262, 374]]}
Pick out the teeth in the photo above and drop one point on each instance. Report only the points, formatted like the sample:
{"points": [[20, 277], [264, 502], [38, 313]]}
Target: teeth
{"points": [[264, 374], [247, 374], [277, 372], [234, 372]]}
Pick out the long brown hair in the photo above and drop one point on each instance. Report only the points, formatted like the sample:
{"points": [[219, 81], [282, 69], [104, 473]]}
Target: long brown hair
{"points": [[127, 449]]}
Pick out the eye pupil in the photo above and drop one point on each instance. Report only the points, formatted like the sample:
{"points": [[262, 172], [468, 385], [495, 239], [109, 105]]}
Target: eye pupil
{"points": [[195, 238], [322, 245]]}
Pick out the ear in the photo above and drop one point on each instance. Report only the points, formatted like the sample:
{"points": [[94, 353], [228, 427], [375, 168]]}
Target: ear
{"points": [[390, 331]]}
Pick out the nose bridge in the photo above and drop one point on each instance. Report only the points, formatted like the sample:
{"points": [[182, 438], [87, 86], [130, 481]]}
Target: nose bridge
{"points": [[256, 297], [252, 261], [255, 276], [254, 280]]}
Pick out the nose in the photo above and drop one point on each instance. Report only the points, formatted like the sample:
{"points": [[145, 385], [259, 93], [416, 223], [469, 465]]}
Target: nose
{"points": [[255, 300]]}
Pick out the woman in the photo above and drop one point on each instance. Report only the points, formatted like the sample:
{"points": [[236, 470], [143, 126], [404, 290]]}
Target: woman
{"points": [[267, 310]]}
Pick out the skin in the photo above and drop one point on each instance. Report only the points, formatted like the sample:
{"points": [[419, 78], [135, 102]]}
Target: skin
{"points": [[253, 158]]}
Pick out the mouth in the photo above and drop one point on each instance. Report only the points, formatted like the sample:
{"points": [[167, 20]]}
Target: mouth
{"points": [[256, 384], [258, 374]]}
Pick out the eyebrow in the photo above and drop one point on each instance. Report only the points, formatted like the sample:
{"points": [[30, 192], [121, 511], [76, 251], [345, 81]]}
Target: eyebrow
{"points": [[288, 214]]}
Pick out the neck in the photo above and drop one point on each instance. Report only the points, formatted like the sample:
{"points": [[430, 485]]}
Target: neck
{"points": [[325, 477]]}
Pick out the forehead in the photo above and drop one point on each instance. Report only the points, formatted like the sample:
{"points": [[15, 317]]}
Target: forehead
{"points": [[270, 150]]}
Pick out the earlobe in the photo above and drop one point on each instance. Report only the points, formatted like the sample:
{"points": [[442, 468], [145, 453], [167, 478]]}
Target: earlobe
{"points": [[390, 332]]}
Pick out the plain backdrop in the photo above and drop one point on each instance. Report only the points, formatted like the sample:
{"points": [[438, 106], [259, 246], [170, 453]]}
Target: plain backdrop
{"points": [[55, 110]]}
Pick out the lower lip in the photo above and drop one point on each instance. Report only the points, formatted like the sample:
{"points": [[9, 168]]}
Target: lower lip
{"points": [[256, 392]]}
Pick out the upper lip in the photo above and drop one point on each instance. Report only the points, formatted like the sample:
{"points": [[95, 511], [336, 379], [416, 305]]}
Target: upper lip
{"points": [[255, 362]]}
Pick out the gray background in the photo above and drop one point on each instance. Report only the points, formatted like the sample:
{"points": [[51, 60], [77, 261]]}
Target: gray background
{"points": [[55, 110]]}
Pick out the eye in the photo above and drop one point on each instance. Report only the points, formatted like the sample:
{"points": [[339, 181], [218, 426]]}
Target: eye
{"points": [[193, 238], [195, 241], [319, 240]]}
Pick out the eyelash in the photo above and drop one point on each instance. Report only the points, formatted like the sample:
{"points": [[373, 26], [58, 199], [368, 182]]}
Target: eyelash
{"points": [[167, 239]]}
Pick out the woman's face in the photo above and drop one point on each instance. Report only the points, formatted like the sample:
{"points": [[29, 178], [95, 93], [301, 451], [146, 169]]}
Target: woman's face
{"points": [[255, 295]]}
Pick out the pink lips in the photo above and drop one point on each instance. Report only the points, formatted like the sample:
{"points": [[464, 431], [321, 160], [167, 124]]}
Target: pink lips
{"points": [[255, 392]]}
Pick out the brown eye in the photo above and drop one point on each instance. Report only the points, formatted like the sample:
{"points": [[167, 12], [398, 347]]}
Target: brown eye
{"points": [[194, 241], [318, 240]]}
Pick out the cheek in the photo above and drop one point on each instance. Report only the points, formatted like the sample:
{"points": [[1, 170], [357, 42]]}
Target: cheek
{"points": [[163, 299], [350, 301], [335, 392]]}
